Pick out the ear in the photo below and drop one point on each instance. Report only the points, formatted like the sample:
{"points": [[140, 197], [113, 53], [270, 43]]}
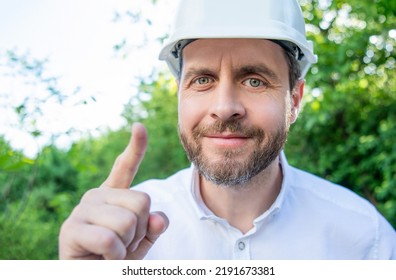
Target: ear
{"points": [[296, 100]]}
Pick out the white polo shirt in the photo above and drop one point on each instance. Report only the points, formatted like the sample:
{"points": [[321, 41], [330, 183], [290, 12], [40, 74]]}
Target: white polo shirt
{"points": [[310, 219]]}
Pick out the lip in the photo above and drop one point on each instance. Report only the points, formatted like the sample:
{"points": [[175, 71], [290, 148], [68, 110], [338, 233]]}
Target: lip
{"points": [[226, 136], [227, 140]]}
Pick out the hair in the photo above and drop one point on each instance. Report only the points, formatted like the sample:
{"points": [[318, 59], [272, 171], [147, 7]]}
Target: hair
{"points": [[294, 68]]}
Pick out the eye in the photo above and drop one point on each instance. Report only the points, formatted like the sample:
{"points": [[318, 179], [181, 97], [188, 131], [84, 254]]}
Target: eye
{"points": [[255, 83], [202, 81]]}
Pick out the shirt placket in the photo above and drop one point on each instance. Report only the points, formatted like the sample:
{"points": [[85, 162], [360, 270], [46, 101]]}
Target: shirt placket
{"points": [[242, 249]]}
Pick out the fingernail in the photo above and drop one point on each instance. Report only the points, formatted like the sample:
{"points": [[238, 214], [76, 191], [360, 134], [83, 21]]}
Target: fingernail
{"points": [[133, 247]]}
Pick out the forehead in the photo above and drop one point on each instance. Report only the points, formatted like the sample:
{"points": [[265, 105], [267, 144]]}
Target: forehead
{"points": [[218, 53]]}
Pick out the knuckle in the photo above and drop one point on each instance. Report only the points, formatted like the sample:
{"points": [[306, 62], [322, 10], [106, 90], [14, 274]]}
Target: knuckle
{"points": [[108, 240], [80, 212], [118, 161], [66, 227], [129, 222], [122, 163], [90, 195], [144, 201], [74, 217]]}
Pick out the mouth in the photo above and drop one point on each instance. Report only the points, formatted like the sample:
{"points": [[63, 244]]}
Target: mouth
{"points": [[226, 135], [227, 140]]}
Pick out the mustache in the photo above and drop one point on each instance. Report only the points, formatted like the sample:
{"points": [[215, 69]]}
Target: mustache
{"points": [[232, 126]]}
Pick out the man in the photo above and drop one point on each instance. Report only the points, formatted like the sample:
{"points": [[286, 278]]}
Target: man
{"points": [[240, 68]]}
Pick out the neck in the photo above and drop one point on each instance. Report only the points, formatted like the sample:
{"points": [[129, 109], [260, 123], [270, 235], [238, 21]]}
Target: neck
{"points": [[241, 204]]}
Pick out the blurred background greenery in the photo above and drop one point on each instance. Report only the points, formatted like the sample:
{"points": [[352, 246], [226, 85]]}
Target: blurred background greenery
{"points": [[346, 132]]}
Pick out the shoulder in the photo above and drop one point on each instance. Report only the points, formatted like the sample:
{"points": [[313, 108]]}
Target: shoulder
{"points": [[329, 193], [346, 215], [327, 197]]}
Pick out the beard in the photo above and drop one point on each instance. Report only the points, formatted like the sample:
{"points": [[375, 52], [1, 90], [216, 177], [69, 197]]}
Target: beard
{"points": [[228, 170]]}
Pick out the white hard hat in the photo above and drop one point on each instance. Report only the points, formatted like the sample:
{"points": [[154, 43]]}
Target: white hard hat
{"points": [[279, 20]]}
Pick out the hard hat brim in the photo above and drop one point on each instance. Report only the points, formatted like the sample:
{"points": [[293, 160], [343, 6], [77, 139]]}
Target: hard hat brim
{"points": [[293, 37]]}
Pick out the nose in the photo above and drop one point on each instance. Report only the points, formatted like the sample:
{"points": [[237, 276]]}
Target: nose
{"points": [[226, 103]]}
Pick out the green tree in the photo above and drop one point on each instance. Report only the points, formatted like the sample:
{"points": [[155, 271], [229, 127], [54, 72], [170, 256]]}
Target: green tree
{"points": [[36, 196], [35, 193], [346, 129]]}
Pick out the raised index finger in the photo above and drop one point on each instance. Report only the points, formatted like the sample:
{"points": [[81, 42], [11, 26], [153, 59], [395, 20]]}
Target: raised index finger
{"points": [[127, 163]]}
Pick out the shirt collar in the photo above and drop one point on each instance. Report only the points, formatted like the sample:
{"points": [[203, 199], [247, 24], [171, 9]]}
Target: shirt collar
{"points": [[277, 205], [204, 213]]}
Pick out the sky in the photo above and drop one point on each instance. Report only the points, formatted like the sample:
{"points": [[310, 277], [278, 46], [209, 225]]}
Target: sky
{"points": [[77, 38]]}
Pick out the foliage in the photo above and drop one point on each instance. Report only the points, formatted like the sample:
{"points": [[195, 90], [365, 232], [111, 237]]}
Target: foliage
{"points": [[35, 198], [35, 194], [346, 129]]}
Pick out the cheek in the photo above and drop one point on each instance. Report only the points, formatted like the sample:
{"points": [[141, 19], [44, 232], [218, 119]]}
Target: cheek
{"points": [[267, 115], [190, 112]]}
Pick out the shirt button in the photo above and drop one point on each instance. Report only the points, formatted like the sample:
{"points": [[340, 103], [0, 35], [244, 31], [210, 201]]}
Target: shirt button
{"points": [[241, 245]]}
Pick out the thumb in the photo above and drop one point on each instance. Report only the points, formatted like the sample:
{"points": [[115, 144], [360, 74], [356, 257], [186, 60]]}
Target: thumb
{"points": [[157, 225], [127, 163]]}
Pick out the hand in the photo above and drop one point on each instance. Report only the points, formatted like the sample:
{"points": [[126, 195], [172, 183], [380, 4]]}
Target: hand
{"points": [[112, 221]]}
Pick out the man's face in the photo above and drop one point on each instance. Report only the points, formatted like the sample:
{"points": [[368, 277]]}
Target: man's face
{"points": [[234, 107]]}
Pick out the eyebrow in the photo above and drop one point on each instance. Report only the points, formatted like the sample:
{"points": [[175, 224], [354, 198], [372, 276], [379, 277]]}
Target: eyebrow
{"points": [[238, 73], [198, 72], [261, 69]]}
